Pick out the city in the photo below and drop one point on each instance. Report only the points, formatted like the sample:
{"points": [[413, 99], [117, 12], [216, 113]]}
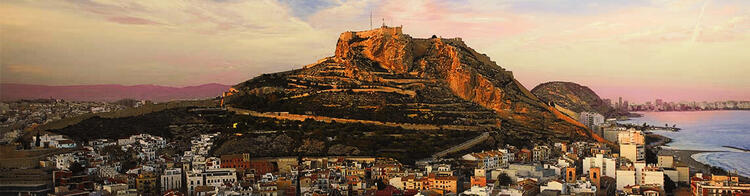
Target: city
{"points": [[374, 97], [146, 164]]}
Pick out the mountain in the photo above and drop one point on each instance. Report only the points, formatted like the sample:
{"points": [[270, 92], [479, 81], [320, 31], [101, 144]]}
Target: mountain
{"points": [[109, 92], [385, 77], [574, 97]]}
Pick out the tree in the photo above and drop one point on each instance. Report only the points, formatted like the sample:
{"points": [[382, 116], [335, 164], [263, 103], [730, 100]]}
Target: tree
{"points": [[669, 185], [76, 168], [504, 180]]}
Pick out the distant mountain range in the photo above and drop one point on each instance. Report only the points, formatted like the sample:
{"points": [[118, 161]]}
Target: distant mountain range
{"points": [[109, 92]]}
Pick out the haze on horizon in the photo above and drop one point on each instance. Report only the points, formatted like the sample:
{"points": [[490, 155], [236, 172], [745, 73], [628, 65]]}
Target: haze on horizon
{"points": [[637, 49]]}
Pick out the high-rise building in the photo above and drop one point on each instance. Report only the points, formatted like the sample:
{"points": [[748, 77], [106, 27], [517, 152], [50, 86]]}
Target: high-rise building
{"points": [[606, 165], [171, 179], [591, 119]]}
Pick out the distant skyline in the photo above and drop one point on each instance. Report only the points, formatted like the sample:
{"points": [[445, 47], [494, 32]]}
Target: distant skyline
{"points": [[692, 50]]}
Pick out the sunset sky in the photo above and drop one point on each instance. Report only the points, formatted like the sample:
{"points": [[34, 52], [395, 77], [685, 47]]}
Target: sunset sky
{"points": [[637, 49]]}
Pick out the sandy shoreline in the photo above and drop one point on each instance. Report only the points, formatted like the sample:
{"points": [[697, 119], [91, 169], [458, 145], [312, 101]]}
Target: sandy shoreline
{"points": [[686, 156]]}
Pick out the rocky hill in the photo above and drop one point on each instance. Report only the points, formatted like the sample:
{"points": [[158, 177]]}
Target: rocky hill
{"points": [[574, 97], [388, 78]]}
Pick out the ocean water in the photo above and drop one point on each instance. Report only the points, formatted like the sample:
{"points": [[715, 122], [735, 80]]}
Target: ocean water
{"points": [[707, 130]]}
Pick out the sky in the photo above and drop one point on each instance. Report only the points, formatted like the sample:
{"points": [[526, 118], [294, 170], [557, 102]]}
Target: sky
{"points": [[636, 49]]}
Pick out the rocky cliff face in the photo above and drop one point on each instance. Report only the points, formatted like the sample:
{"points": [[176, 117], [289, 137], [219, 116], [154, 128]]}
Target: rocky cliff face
{"points": [[574, 97], [388, 76]]}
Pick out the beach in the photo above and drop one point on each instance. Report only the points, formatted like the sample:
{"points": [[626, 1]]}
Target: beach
{"points": [[716, 138], [686, 157]]}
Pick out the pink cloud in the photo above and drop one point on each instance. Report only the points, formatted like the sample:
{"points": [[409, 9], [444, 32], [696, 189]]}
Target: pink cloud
{"points": [[430, 17], [132, 20]]}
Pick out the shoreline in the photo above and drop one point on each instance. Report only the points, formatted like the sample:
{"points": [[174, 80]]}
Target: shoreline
{"points": [[686, 156]]}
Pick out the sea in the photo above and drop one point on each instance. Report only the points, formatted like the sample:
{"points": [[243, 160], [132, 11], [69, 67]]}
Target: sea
{"points": [[709, 131]]}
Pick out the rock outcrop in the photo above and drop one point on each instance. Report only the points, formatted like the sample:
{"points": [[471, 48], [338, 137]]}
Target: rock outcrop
{"points": [[385, 75], [574, 97]]}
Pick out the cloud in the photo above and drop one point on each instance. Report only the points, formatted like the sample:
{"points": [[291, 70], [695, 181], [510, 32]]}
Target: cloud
{"points": [[132, 20], [26, 70], [228, 41]]}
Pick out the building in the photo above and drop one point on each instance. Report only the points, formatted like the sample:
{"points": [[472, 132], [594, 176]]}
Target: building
{"points": [[652, 175], [114, 188], [210, 177], [486, 160], [240, 162], [648, 174], [524, 155], [631, 136], [683, 173], [146, 182], [519, 172], [625, 177], [611, 132], [665, 161], [480, 181], [570, 174], [592, 120], [633, 152], [171, 179], [606, 165], [717, 185], [445, 184], [555, 185], [540, 153]]}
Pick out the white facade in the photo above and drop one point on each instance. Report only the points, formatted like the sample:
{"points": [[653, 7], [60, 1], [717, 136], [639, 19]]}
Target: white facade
{"points": [[487, 160], [555, 186], [63, 161], [591, 119], [171, 179], [665, 161], [211, 177], [481, 191], [607, 165], [624, 178], [632, 152], [652, 177]]}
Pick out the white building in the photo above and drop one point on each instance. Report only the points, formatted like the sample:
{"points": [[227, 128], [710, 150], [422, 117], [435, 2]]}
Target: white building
{"points": [[555, 185], [625, 177], [171, 179], [518, 172], [486, 160], [633, 152], [476, 190], [52, 141], [652, 175], [581, 187], [63, 161], [540, 153], [591, 119], [665, 161], [607, 165], [211, 177], [639, 174]]}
